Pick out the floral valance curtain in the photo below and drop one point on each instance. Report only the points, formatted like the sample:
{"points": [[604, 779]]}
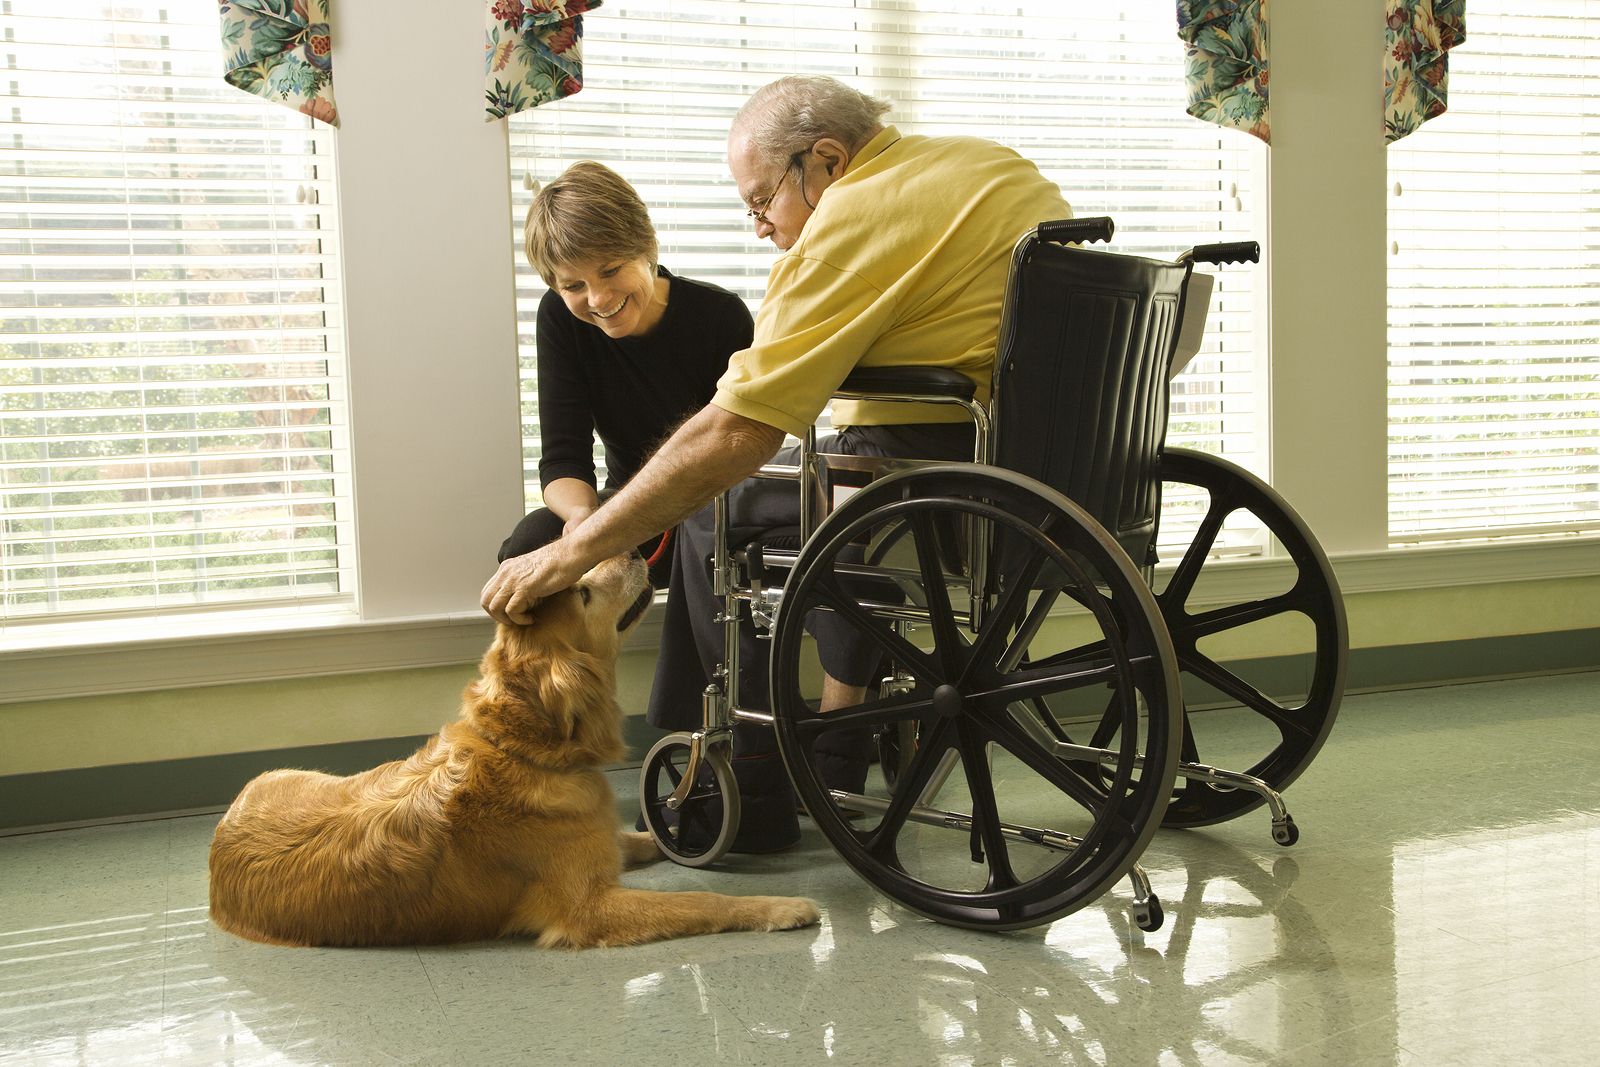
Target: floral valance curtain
{"points": [[281, 50], [1227, 68], [1416, 63], [532, 53]]}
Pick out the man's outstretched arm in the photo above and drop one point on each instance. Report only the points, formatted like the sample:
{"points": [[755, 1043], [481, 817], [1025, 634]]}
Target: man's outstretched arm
{"points": [[711, 451]]}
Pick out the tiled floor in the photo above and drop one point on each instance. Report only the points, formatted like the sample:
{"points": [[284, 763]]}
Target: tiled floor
{"points": [[1442, 907]]}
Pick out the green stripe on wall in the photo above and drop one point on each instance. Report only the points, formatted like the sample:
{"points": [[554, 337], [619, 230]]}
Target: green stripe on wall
{"points": [[200, 783], [132, 790]]}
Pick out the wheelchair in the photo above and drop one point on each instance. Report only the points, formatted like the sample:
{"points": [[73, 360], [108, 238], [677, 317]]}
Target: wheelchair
{"points": [[1027, 638]]}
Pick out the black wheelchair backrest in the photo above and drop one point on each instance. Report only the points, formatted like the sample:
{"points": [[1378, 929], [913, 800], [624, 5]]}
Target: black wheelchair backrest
{"points": [[1080, 387]]}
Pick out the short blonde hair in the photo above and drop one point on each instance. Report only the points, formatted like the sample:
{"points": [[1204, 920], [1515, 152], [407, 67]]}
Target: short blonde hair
{"points": [[589, 213]]}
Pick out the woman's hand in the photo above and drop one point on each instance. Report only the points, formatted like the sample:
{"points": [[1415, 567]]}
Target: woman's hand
{"points": [[573, 500], [711, 451], [576, 519]]}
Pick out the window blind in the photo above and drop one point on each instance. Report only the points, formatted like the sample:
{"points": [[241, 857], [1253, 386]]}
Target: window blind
{"points": [[1093, 96], [1494, 322], [173, 430]]}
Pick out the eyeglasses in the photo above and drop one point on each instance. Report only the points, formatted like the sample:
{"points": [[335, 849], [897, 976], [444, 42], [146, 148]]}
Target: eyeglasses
{"points": [[759, 215]]}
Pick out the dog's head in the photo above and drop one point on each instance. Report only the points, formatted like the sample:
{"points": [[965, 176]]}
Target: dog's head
{"points": [[549, 687]]}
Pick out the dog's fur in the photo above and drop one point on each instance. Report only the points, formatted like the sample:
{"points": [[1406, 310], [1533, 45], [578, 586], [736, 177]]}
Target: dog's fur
{"points": [[500, 825]]}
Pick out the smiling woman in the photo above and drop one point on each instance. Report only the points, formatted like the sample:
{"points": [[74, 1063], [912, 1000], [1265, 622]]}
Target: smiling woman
{"points": [[626, 349], [625, 298]]}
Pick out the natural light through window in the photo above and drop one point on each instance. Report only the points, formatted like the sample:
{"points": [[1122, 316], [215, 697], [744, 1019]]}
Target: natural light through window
{"points": [[173, 430], [1494, 322], [1094, 96]]}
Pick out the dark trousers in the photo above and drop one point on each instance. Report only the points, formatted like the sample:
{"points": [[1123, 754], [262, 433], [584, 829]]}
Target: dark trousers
{"points": [[692, 639]]}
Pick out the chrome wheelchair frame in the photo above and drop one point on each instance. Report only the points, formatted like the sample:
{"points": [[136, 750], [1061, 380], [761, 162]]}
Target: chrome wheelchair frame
{"points": [[1004, 538]]}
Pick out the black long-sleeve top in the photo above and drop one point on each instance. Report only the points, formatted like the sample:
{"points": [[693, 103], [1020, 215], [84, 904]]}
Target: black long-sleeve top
{"points": [[633, 390]]}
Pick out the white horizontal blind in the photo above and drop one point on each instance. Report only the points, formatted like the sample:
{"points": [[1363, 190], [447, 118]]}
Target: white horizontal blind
{"points": [[1093, 94], [172, 416], [1494, 321]]}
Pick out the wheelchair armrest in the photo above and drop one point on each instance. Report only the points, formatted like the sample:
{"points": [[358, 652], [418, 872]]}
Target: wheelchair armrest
{"points": [[909, 381]]}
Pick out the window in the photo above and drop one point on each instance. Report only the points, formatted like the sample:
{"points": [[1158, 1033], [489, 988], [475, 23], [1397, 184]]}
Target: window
{"points": [[172, 429], [1494, 325], [1094, 97]]}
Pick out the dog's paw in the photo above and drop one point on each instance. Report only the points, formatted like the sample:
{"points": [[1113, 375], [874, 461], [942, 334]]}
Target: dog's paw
{"points": [[639, 848], [788, 913]]}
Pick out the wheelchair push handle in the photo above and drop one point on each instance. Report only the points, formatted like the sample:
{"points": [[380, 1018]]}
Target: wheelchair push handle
{"points": [[1076, 231], [1226, 252]]}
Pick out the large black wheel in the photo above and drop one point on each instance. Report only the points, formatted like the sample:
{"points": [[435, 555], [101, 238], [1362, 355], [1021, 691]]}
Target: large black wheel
{"points": [[1277, 736], [702, 829], [990, 822]]}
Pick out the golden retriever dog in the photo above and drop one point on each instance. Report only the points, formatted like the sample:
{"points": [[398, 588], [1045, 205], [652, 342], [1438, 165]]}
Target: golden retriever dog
{"points": [[501, 825]]}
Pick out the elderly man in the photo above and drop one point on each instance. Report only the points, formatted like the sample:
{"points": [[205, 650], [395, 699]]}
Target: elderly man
{"points": [[896, 254]]}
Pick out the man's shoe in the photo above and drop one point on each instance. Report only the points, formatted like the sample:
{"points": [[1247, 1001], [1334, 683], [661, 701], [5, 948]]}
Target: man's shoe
{"points": [[767, 819]]}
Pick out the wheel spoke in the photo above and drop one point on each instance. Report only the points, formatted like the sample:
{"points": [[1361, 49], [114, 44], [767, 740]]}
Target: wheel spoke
{"points": [[918, 662], [985, 809], [1236, 615], [1044, 681], [1017, 650], [872, 713], [908, 789], [1095, 650], [946, 637], [1005, 614], [673, 774], [1188, 569], [699, 814], [1110, 722], [1218, 677], [1047, 719], [1013, 740]]}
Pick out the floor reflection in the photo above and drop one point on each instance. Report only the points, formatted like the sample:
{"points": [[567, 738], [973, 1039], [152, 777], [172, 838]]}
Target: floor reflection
{"points": [[1445, 919]]}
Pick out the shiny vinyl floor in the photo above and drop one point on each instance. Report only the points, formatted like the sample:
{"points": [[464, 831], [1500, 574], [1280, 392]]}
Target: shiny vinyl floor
{"points": [[1442, 907]]}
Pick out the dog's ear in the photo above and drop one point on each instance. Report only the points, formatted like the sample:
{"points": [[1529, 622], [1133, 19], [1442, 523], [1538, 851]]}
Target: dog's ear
{"points": [[540, 689], [567, 689]]}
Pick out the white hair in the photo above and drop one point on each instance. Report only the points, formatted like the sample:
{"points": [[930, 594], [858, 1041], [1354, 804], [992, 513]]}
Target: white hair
{"points": [[794, 113]]}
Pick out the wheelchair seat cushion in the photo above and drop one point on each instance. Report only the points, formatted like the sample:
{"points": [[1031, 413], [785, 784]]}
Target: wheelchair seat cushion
{"points": [[910, 381]]}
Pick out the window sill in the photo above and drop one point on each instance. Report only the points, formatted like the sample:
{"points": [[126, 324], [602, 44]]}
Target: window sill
{"points": [[198, 652]]}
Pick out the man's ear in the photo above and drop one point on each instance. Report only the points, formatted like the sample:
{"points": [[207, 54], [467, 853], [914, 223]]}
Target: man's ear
{"points": [[833, 155]]}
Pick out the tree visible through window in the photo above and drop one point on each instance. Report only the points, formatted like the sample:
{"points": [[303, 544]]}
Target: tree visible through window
{"points": [[172, 431]]}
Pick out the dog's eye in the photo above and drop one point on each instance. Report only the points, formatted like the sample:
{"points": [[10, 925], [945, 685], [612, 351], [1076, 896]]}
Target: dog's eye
{"points": [[583, 594]]}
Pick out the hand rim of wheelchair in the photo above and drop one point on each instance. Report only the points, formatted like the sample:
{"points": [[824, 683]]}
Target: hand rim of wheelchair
{"points": [[1120, 830], [1302, 727], [722, 794]]}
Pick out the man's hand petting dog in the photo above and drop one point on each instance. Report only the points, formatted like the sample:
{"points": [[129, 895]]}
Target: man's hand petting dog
{"points": [[523, 581], [502, 825]]}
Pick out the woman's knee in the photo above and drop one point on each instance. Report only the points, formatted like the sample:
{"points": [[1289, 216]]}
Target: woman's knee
{"points": [[537, 529]]}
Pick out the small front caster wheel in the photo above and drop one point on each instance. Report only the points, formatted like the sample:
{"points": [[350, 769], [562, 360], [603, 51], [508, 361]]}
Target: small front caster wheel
{"points": [[1149, 916], [1286, 832], [701, 830]]}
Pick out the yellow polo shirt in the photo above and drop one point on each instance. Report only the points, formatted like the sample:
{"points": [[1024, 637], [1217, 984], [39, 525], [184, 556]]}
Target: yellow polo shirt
{"points": [[903, 263]]}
